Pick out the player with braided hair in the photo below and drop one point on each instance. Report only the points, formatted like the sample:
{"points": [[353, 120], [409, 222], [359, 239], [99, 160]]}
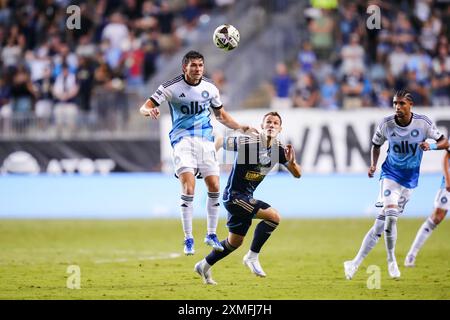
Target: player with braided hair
{"points": [[406, 133]]}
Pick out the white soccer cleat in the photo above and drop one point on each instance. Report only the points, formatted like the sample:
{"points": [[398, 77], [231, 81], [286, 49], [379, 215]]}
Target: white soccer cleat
{"points": [[410, 261], [254, 265], [350, 269], [394, 272], [206, 275]]}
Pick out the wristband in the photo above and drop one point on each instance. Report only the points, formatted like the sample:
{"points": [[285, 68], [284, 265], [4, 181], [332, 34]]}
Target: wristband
{"points": [[433, 146]]}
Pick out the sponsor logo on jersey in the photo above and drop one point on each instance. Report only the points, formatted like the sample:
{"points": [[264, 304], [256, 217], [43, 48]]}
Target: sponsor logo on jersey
{"points": [[181, 95], [194, 108], [405, 147], [253, 176]]}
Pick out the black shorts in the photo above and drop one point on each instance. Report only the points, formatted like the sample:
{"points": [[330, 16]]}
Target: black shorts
{"points": [[242, 209]]}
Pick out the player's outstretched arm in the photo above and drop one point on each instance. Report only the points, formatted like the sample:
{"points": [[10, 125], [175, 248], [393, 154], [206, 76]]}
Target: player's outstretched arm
{"points": [[292, 165], [227, 120], [441, 143], [149, 109], [374, 155], [446, 168]]}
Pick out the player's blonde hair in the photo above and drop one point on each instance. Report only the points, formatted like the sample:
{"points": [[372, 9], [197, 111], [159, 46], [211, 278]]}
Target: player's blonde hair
{"points": [[273, 113]]}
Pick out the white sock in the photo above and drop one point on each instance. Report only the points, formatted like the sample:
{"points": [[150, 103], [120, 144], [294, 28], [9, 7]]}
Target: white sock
{"points": [[206, 265], [252, 255], [422, 235], [390, 232], [212, 206], [370, 240], [187, 208]]}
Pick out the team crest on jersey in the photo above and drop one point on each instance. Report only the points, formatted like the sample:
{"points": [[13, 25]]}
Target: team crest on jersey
{"points": [[264, 159], [444, 199], [205, 94], [414, 133], [252, 201], [387, 193]]}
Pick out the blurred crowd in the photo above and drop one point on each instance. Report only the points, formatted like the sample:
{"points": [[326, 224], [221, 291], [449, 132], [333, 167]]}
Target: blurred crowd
{"points": [[343, 64], [54, 71]]}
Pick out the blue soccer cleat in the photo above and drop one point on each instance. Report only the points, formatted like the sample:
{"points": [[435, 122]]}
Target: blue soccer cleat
{"points": [[189, 247], [213, 241]]}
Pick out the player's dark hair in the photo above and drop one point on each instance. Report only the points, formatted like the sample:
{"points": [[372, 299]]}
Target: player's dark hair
{"points": [[273, 113], [404, 94], [192, 55]]}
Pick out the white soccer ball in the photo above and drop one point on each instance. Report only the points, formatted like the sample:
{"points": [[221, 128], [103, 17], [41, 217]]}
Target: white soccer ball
{"points": [[226, 37]]}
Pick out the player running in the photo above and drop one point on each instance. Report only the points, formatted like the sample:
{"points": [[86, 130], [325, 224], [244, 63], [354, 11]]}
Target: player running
{"points": [[190, 97], [441, 206], [256, 156], [406, 133]]}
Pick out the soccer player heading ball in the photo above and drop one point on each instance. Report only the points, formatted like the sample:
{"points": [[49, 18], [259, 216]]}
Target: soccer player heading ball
{"points": [[256, 157], [190, 95], [406, 133]]}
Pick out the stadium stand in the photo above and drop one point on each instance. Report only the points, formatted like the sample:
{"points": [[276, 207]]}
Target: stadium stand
{"points": [[328, 58]]}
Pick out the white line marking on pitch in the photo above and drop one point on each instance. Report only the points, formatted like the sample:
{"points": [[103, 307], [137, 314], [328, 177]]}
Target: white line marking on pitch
{"points": [[140, 258]]}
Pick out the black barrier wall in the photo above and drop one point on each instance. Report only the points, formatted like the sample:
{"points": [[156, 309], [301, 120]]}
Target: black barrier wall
{"points": [[77, 155]]}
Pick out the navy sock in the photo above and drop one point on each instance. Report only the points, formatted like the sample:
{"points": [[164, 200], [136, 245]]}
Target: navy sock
{"points": [[262, 233], [215, 256]]}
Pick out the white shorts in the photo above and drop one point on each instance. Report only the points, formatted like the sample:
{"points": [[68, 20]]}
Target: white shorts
{"points": [[196, 155], [392, 193], [442, 200]]}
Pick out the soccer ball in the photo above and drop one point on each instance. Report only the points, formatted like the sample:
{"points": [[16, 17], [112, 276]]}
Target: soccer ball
{"points": [[226, 37]]}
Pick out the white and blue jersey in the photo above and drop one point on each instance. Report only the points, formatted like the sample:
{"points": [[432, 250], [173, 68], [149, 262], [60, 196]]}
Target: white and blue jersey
{"points": [[404, 155], [189, 107]]}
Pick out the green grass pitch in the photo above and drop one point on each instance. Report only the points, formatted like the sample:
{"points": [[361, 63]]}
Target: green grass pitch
{"points": [[142, 259]]}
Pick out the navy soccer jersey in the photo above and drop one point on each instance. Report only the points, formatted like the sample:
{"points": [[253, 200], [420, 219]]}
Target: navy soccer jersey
{"points": [[404, 156], [253, 162]]}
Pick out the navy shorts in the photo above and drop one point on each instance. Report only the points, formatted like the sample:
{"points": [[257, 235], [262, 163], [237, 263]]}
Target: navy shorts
{"points": [[242, 209]]}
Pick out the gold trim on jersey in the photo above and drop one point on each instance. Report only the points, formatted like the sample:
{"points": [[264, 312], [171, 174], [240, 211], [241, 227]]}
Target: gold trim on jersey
{"points": [[243, 204]]}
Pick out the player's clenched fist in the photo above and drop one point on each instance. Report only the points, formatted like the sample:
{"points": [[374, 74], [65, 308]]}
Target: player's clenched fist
{"points": [[153, 113]]}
